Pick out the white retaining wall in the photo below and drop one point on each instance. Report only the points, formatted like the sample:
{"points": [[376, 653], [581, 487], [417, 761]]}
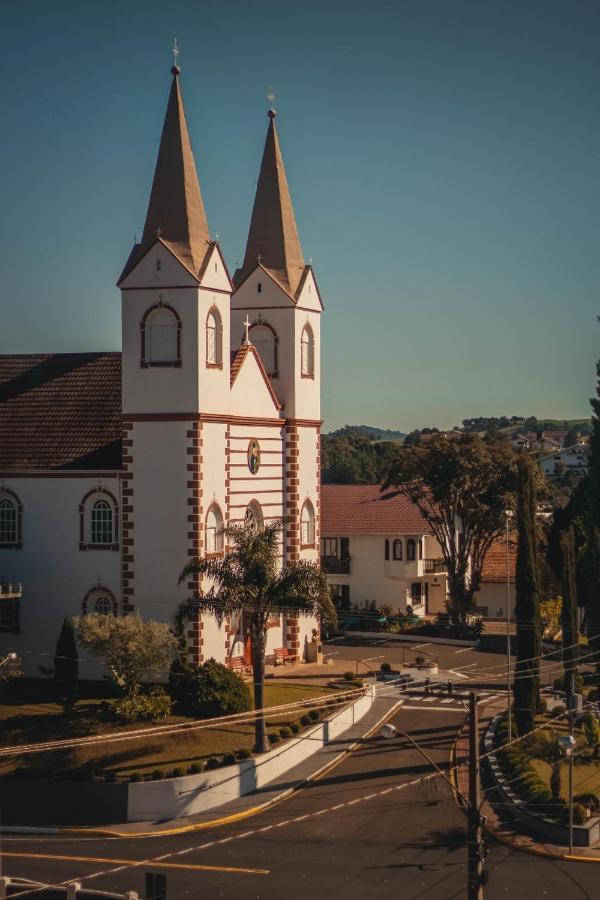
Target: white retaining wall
{"points": [[189, 795]]}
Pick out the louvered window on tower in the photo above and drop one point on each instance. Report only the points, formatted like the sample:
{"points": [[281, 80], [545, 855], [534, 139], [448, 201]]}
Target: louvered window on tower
{"points": [[213, 339], [162, 337], [266, 342], [307, 354]]}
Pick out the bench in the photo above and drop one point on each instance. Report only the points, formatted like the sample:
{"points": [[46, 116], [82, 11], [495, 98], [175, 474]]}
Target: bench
{"points": [[283, 655], [239, 664]]}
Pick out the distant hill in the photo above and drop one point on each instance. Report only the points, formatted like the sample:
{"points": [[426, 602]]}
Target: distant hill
{"points": [[376, 434]]}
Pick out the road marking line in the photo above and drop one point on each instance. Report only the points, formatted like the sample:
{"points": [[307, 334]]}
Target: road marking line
{"points": [[436, 708], [195, 867], [420, 647], [464, 650]]}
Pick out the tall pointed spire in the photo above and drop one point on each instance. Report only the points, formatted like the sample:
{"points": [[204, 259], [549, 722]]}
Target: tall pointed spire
{"points": [[273, 236], [176, 210]]}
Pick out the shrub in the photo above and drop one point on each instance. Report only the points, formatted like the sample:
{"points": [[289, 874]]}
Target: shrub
{"points": [[358, 683], [305, 719], [419, 660], [213, 762], [143, 707], [210, 690], [314, 715], [244, 753], [385, 667], [195, 768], [348, 676], [157, 775], [285, 733], [135, 776], [274, 737], [579, 814], [229, 759], [295, 727]]}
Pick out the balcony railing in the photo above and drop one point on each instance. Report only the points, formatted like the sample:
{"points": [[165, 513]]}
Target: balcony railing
{"points": [[433, 565], [335, 565]]}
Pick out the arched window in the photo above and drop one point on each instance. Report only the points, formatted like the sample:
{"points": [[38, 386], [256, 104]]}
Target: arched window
{"points": [[398, 549], [387, 549], [307, 524], [10, 519], [214, 339], [410, 550], [254, 516], [98, 521], [266, 342], [214, 530], [102, 525], [103, 606], [307, 353], [161, 337], [8, 523]]}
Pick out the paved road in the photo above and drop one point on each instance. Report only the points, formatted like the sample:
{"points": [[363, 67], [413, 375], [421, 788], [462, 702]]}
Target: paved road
{"points": [[365, 830]]}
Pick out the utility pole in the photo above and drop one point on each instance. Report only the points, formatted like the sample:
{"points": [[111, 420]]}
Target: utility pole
{"points": [[475, 836], [571, 755], [508, 514]]}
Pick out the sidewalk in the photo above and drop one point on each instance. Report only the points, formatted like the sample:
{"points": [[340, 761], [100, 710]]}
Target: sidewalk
{"points": [[250, 804], [503, 824]]}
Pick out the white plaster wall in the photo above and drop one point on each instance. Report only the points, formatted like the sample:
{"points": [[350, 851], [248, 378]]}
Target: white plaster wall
{"points": [[493, 595], [267, 485], [250, 395], [307, 392], [213, 383], [160, 511], [215, 274], [212, 469], [309, 477], [214, 639], [55, 574]]}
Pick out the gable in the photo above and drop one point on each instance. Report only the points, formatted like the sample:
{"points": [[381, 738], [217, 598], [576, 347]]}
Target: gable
{"points": [[156, 267], [271, 294], [214, 274], [307, 295], [251, 391]]}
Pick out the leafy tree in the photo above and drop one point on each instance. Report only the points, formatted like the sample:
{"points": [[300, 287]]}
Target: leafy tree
{"points": [[247, 580], [66, 667], [210, 690], [572, 437], [526, 685], [132, 649], [570, 632], [550, 614], [352, 456], [462, 489]]}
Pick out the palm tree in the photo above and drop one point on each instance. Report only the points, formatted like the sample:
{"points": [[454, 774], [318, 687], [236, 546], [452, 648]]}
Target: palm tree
{"points": [[248, 579]]}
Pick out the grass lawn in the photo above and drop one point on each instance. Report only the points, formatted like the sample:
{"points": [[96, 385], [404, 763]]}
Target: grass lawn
{"points": [[586, 772], [24, 721]]}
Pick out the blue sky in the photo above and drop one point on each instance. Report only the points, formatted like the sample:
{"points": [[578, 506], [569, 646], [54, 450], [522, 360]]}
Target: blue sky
{"points": [[443, 157]]}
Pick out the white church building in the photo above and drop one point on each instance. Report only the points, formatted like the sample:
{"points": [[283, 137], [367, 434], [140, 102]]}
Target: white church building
{"points": [[116, 468]]}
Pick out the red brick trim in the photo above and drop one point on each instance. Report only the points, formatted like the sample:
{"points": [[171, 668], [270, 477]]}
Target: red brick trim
{"points": [[7, 494]]}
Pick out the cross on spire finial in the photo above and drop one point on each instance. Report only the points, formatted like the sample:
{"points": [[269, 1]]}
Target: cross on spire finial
{"points": [[259, 258], [271, 98], [175, 50], [247, 330]]}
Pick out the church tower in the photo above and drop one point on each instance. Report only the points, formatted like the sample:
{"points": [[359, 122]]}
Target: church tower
{"points": [[175, 293], [278, 293]]}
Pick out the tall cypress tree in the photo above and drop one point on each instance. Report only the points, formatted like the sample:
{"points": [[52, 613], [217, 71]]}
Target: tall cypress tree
{"points": [[570, 631], [588, 580], [526, 685], [66, 667]]}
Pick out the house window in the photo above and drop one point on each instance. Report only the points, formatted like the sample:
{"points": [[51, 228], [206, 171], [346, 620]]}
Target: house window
{"points": [[416, 593], [410, 550], [254, 516], [161, 337], [102, 523], [307, 524], [420, 548], [397, 549], [10, 609], [340, 594], [9, 535], [330, 546], [387, 549], [307, 353], [214, 340], [214, 530], [266, 342]]}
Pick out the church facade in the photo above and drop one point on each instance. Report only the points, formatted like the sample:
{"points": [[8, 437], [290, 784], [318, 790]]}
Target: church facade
{"points": [[116, 468]]}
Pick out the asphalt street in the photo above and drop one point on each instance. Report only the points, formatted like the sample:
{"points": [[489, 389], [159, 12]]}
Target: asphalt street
{"points": [[382, 824]]}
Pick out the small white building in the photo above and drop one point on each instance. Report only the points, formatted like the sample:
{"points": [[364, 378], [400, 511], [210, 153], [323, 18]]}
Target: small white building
{"points": [[498, 580], [116, 468], [377, 549], [571, 459]]}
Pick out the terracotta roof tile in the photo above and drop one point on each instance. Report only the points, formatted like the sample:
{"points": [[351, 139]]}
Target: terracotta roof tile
{"points": [[362, 509], [494, 566], [60, 411]]}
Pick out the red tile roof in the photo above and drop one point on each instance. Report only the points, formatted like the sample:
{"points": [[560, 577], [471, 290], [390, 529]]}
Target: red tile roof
{"points": [[494, 566], [60, 411], [362, 509]]}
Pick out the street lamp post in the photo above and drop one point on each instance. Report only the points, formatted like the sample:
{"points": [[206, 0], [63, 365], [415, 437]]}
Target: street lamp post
{"points": [[508, 516], [567, 745]]}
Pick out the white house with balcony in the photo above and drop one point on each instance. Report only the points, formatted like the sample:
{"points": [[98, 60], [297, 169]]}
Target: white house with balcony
{"points": [[571, 459], [377, 549]]}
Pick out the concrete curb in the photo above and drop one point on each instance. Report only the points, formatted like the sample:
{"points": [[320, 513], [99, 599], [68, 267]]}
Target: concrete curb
{"points": [[384, 636], [213, 823]]}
